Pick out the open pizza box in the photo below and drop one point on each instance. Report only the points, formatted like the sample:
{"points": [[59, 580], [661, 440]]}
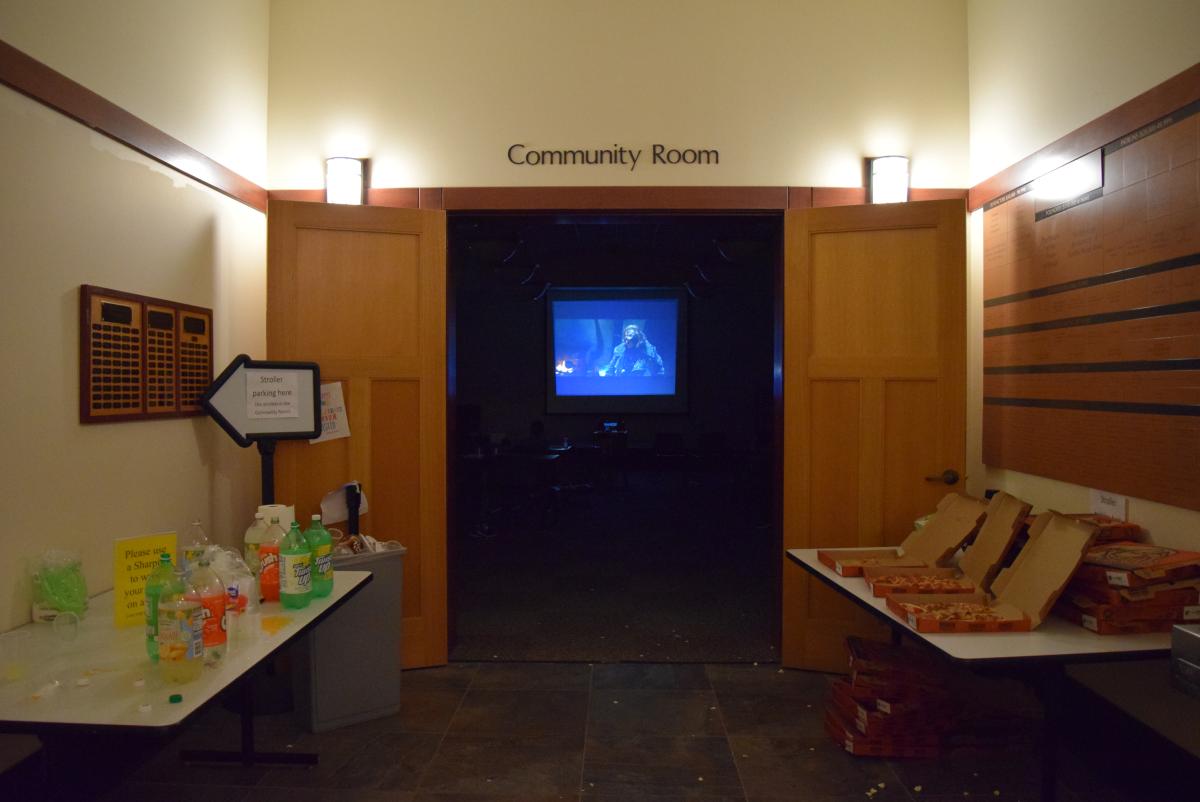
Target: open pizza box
{"points": [[1129, 564], [978, 566], [1024, 592], [956, 519]]}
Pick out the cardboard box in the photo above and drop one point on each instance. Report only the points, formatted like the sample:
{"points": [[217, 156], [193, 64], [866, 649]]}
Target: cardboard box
{"points": [[957, 518], [1107, 529], [854, 742], [1134, 611], [1100, 627], [1024, 592], [886, 581], [1126, 564], [1183, 592], [977, 568]]}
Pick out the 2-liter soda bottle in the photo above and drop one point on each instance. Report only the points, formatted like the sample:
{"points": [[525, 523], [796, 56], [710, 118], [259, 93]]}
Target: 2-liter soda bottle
{"points": [[180, 632], [207, 589], [252, 540], [268, 561], [321, 545], [295, 570]]}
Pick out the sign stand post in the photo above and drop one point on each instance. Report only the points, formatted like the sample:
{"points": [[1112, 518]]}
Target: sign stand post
{"points": [[262, 402]]}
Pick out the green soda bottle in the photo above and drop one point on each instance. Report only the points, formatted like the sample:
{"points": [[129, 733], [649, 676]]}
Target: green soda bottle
{"points": [[161, 576], [321, 545], [295, 570]]}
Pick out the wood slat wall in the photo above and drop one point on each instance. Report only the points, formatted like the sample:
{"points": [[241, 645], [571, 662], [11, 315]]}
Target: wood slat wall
{"points": [[1091, 324]]}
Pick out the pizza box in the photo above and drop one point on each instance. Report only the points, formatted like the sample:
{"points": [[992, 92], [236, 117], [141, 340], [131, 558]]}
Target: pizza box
{"points": [[874, 724], [957, 518], [1107, 529], [978, 566], [907, 579], [1128, 564], [1101, 627], [1024, 592], [1184, 591], [1134, 611], [873, 656], [854, 742]]}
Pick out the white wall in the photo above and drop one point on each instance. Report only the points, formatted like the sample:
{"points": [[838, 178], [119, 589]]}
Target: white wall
{"points": [[75, 208], [791, 93], [197, 70], [1038, 71]]}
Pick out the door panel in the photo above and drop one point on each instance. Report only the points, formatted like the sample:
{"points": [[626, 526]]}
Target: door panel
{"points": [[874, 393], [362, 292]]}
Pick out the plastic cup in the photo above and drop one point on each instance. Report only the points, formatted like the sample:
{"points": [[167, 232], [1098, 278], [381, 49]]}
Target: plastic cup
{"points": [[15, 654]]}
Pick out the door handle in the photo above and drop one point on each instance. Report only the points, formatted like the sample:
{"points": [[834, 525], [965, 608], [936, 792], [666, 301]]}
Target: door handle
{"points": [[948, 476]]}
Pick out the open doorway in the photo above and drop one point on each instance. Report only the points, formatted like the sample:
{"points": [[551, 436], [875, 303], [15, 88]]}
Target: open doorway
{"points": [[621, 525]]}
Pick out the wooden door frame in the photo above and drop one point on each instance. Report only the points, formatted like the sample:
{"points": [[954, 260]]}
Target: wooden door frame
{"points": [[461, 201]]}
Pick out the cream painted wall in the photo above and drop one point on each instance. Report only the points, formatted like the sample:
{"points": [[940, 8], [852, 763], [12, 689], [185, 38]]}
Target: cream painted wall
{"points": [[77, 207], [1038, 71], [791, 93], [197, 70]]}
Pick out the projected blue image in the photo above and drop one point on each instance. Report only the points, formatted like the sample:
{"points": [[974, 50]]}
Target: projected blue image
{"points": [[621, 347]]}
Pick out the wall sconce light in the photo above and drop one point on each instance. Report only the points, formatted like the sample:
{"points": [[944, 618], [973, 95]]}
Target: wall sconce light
{"points": [[888, 179], [345, 180]]}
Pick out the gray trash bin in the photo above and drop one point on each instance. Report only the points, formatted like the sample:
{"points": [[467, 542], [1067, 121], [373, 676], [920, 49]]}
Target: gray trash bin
{"points": [[347, 669]]}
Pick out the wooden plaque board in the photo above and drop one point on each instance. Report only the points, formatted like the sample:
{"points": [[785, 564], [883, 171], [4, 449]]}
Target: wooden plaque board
{"points": [[141, 357], [1091, 322]]}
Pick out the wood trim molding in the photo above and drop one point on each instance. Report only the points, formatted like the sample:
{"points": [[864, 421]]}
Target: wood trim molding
{"points": [[1147, 107], [306, 195], [511, 199], [597, 198], [34, 79]]}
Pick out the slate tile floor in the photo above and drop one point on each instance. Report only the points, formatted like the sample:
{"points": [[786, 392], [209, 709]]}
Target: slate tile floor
{"points": [[575, 732]]}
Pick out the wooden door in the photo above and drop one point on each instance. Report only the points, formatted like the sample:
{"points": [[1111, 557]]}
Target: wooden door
{"points": [[362, 292], [874, 393]]}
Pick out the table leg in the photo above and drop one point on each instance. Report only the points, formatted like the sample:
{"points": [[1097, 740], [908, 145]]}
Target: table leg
{"points": [[247, 755], [1050, 683]]}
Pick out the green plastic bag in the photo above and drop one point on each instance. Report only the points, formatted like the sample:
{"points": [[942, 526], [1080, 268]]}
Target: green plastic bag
{"points": [[58, 585]]}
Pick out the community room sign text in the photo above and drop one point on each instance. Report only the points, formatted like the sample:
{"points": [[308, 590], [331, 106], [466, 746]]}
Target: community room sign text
{"points": [[524, 155]]}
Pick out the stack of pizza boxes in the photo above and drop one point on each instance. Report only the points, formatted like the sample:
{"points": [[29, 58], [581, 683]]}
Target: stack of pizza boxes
{"points": [[1128, 587], [1021, 595], [895, 702], [900, 702], [957, 518], [977, 567]]}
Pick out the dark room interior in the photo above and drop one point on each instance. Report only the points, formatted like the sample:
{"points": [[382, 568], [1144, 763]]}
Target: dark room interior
{"points": [[651, 541]]}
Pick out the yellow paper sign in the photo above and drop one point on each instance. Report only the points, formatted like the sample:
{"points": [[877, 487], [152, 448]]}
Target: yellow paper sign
{"points": [[133, 560]]}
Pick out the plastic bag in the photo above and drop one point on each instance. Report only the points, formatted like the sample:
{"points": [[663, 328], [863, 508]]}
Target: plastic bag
{"points": [[58, 585], [241, 593]]}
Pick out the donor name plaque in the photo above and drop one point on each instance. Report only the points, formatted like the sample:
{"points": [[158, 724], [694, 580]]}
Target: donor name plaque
{"points": [[524, 155]]}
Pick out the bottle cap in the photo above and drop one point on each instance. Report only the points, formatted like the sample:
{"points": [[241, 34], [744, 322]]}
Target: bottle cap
{"points": [[175, 698], [259, 515], [316, 517]]}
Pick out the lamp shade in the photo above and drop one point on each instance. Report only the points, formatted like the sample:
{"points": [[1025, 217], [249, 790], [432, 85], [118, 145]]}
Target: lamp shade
{"points": [[888, 179], [344, 180]]}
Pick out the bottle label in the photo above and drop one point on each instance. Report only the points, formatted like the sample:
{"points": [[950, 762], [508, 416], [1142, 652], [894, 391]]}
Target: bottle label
{"points": [[295, 573], [323, 556], [180, 635], [212, 611], [268, 573]]}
